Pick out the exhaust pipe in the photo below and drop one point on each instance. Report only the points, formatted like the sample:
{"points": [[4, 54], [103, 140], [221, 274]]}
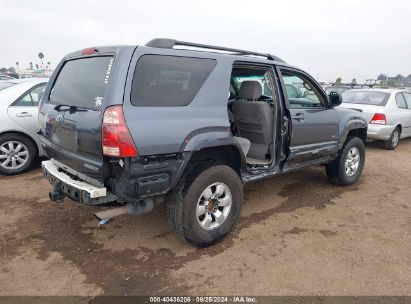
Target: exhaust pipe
{"points": [[135, 208]]}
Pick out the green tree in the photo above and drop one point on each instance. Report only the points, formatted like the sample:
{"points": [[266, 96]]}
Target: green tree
{"points": [[41, 56], [49, 65], [353, 81], [37, 66], [382, 77], [338, 80], [31, 65]]}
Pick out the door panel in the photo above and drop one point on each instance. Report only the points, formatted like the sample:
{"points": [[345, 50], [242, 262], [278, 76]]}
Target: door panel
{"points": [[407, 115], [314, 125], [26, 117], [24, 111]]}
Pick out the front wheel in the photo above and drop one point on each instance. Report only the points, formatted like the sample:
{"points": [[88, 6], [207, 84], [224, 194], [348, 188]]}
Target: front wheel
{"points": [[206, 204], [347, 167]]}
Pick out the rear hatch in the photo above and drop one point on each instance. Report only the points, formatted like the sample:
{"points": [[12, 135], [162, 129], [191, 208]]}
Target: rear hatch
{"points": [[71, 115]]}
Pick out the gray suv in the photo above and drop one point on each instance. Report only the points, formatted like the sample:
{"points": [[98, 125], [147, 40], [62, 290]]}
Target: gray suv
{"points": [[188, 124]]}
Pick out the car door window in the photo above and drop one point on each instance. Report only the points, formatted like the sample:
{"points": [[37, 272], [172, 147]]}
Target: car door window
{"points": [[31, 98], [407, 99], [300, 91], [400, 100]]}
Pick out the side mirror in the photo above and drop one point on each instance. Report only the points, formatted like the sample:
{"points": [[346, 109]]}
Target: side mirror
{"points": [[335, 99]]}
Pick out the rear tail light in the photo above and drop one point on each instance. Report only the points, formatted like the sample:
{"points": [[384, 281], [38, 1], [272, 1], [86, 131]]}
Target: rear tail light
{"points": [[117, 141], [378, 119]]}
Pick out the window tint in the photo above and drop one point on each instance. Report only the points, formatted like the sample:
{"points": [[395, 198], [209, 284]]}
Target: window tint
{"points": [[168, 81], [31, 98], [82, 82], [407, 99], [400, 100], [300, 91], [375, 98]]}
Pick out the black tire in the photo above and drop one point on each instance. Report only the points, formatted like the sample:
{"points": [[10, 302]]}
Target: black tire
{"points": [[182, 215], [336, 170], [31, 153], [392, 142]]}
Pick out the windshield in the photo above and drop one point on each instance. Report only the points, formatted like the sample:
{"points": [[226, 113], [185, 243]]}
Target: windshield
{"points": [[4, 85], [375, 98]]}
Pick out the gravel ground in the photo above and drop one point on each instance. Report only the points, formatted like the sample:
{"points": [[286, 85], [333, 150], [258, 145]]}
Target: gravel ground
{"points": [[298, 235]]}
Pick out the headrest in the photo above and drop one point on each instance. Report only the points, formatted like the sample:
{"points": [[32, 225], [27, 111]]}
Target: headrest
{"points": [[250, 89]]}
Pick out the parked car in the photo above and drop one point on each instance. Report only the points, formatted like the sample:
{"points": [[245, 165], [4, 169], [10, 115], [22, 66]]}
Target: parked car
{"points": [[338, 89], [144, 124], [6, 77], [388, 113], [19, 143]]}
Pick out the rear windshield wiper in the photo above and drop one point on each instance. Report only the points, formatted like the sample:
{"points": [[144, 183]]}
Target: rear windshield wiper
{"points": [[69, 108]]}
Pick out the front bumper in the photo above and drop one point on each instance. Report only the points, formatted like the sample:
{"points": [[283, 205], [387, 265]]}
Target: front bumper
{"points": [[379, 132], [74, 188]]}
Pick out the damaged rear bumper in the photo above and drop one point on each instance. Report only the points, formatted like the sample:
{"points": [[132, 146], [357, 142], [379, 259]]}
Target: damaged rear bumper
{"points": [[74, 188]]}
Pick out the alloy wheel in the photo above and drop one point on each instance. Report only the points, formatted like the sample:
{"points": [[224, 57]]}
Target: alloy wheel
{"points": [[352, 162], [213, 206], [13, 155]]}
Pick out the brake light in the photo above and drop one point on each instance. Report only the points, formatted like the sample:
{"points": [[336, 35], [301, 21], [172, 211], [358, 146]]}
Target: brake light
{"points": [[89, 51], [378, 119], [117, 141]]}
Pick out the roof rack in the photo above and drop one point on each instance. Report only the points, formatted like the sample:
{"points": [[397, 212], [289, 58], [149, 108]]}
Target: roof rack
{"points": [[166, 43]]}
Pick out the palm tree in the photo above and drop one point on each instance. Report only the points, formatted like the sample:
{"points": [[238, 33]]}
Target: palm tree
{"points": [[48, 63], [41, 56], [17, 64], [37, 66], [31, 65]]}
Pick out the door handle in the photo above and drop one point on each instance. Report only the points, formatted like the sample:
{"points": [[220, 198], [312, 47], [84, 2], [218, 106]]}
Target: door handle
{"points": [[24, 114], [299, 116]]}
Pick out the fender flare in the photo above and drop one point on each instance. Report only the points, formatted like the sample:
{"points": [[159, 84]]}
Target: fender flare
{"points": [[351, 125], [213, 137]]}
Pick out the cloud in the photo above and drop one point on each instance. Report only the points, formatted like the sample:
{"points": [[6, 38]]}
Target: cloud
{"points": [[327, 38]]}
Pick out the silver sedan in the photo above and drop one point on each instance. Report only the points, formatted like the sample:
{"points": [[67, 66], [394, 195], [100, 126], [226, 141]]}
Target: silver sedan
{"points": [[19, 144], [388, 112]]}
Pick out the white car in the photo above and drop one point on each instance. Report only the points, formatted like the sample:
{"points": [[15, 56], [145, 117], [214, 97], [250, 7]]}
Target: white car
{"points": [[19, 142], [388, 112]]}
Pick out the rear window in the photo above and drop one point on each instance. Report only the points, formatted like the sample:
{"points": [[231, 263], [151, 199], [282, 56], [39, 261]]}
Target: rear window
{"points": [[82, 82], [168, 81], [366, 97], [5, 85]]}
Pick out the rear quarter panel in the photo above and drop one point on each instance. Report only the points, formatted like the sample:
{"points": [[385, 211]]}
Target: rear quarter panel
{"points": [[162, 130]]}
